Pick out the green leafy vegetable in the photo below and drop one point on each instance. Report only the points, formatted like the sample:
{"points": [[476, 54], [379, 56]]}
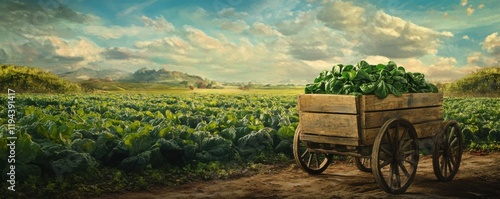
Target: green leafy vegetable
{"points": [[364, 79]]}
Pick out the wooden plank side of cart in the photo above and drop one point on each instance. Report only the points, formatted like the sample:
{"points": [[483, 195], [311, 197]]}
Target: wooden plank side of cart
{"points": [[355, 121]]}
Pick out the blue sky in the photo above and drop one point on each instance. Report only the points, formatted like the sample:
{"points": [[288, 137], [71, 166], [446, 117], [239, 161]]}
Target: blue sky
{"points": [[261, 41]]}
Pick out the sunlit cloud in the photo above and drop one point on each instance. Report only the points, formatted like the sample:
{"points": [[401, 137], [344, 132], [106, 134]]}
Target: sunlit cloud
{"points": [[278, 41]]}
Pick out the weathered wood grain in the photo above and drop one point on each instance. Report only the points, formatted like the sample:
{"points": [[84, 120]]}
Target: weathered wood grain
{"points": [[414, 115], [427, 129], [407, 100], [330, 139], [339, 125], [345, 119], [327, 103]]}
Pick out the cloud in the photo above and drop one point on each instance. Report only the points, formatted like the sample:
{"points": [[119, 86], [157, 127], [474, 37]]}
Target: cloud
{"points": [[335, 16], [174, 44], [480, 59], [377, 59], [78, 48], [469, 10], [114, 32], [394, 37], [481, 6], [227, 12], [54, 52], [25, 18], [263, 29], [200, 39], [215, 56], [492, 45], [376, 33], [474, 58], [280, 40], [134, 8], [447, 34], [159, 23], [66, 13], [237, 26], [297, 24], [443, 69], [230, 12], [117, 53], [318, 43], [463, 2]]}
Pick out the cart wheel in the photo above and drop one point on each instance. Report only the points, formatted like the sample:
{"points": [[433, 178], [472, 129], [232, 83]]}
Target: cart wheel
{"points": [[363, 164], [312, 163], [395, 156], [447, 151]]}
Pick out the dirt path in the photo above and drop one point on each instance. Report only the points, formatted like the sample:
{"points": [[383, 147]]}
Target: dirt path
{"points": [[478, 177]]}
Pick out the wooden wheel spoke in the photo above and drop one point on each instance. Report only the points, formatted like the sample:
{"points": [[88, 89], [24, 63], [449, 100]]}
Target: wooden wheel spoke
{"points": [[452, 130], [309, 160], [391, 175], [445, 166], [406, 144], [450, 166], [396, 137], [447, 155], [396, 145], [408, 153], [455, 161], [317, 160], [453, 142], [441, 151], [403, 168], [385, 163], [411, 162], [403, 144], [451, 158], [304, 157], [304, 154], [386, 151], [395, 176], [389, 141]]}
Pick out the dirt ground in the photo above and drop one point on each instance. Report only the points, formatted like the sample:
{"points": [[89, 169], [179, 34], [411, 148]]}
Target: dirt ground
{"points": [[478, 177]]}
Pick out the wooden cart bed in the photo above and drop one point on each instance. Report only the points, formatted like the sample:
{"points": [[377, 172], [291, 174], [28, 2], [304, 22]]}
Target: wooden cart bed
{"points": [[355, 121]]}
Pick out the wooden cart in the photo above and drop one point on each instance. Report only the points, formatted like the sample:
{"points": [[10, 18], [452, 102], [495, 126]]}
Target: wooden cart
{"points": [[381, 134]]}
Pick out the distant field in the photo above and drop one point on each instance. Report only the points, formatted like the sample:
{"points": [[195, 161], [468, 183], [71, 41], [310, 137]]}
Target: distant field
{"points": [[277, 91]]}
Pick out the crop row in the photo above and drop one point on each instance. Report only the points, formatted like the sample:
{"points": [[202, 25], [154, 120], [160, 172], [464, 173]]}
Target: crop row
{"points": [[479, 119], [66, 133]]}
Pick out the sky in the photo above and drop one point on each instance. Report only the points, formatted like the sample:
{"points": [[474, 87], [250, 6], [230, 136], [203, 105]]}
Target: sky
{"points": [[278, 41]]}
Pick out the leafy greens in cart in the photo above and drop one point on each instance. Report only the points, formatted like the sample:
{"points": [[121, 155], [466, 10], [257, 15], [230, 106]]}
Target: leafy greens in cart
{"points": [[366, 79]]}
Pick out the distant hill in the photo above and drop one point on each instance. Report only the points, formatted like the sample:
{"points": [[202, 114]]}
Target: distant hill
{"points": [[83, 74], [484, 81], [100, 79], [164, 76], [25, 79]]}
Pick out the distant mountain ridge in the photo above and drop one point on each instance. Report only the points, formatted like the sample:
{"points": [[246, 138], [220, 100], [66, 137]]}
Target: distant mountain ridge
{"points": [[162, 76], [83, 74], [143, 75]]}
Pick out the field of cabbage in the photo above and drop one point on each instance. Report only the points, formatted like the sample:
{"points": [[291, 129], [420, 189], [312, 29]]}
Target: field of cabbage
{"points": [[62, 134]]}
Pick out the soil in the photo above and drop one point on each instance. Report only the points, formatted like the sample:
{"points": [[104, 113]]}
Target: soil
{"points": [[478, 177]]}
